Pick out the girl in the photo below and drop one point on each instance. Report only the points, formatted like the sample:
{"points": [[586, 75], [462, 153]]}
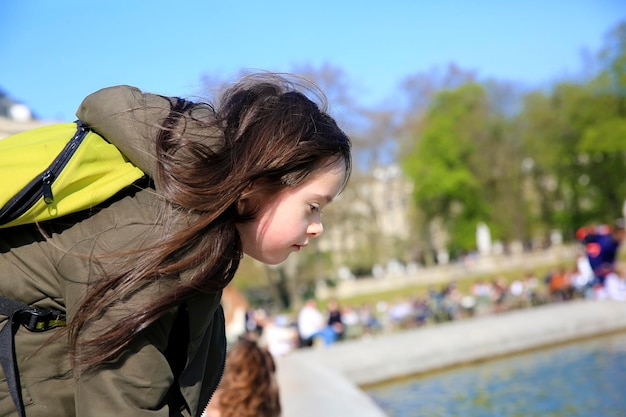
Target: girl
{"points": [[140, 277]]}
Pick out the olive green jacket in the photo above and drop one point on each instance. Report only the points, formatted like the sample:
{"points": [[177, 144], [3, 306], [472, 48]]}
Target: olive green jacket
{"points": [[56, 272]]}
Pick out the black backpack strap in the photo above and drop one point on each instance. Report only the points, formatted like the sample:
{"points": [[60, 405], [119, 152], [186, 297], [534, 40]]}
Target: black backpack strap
{"points": [[11, 308], [34, 319]]}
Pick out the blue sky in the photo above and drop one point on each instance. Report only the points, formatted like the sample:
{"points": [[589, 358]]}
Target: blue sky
{"points": [[53, 53]]}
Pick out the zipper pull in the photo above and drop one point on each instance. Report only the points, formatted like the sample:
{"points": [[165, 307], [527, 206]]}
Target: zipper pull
{"points": [[47, 179]]}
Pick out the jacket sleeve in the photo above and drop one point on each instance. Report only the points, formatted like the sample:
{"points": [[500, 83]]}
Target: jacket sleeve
{"points": [[131, 120], [128, 119]]}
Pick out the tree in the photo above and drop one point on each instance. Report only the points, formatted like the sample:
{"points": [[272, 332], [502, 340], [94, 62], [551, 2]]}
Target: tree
{"points": [[605, 138], [574, 136], [445, 185]]}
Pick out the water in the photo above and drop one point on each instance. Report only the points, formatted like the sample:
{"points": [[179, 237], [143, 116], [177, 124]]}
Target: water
{"points": [[584, 379]]}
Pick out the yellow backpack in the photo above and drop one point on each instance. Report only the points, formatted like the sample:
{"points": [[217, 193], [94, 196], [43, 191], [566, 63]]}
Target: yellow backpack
{"points": [[47, 173], [56, 170]]}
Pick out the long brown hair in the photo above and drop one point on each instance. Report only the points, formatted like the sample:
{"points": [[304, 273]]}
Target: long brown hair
{"points": [[263, 129], [249, 387]]}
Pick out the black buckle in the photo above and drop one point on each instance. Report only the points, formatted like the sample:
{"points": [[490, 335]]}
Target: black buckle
{"points": [[40, 320]]}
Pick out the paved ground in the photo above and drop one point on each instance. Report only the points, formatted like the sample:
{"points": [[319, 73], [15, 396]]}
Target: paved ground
{"points": [[325, 381]]}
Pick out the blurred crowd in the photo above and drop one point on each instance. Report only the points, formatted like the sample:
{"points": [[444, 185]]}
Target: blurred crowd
{"points": [[249, 385], [315, 326]]}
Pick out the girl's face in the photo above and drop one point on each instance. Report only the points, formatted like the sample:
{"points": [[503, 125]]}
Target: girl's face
{"points": [[287, 221]]}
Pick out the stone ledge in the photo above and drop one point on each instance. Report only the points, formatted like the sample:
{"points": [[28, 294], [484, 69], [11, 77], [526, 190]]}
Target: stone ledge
{"points": [[325, 380]]}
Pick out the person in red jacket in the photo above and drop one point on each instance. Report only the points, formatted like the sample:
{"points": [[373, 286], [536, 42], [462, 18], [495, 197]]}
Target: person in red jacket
{"points": [[602, 243]]}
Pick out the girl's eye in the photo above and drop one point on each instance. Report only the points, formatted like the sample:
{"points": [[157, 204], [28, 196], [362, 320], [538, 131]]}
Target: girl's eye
{"points": [[314, 208]]}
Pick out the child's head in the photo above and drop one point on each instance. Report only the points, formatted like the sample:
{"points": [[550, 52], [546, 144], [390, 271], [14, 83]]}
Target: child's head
{"points": [[292, 159], [249, 386]]}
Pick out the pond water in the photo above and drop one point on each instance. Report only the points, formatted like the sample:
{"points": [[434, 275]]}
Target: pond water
{"points": [[583, 379]]}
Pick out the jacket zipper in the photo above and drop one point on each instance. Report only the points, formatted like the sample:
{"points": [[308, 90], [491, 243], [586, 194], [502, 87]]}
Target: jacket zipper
{"points": [[41, 185], [219, 379]]}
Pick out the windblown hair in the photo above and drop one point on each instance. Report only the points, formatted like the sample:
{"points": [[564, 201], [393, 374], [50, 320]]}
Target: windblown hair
{"points": [[263, 130], [249, 387]]}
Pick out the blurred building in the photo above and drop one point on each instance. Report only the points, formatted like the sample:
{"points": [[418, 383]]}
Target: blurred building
{"points": [[375, 221], [13, 110], [390, 191], [15, 117]]}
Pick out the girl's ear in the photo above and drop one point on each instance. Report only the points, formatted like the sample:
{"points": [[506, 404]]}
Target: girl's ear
{"points": [[246, 202], [243, 205]]}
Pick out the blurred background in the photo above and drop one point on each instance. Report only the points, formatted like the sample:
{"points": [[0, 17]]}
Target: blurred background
{"points": [[485, 133]]}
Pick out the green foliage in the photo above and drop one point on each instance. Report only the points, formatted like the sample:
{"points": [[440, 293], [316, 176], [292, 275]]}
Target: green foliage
{"points": [[558, 163], [576, 136], [461, 158], [606, 136], [438, 163]]}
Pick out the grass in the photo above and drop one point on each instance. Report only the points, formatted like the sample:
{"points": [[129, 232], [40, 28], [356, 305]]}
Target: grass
{"points": [[418, 291], [255, 274]]}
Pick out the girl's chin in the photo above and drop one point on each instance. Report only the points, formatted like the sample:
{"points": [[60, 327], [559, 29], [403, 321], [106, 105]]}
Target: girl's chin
{"points": [[274, 262], [270, 261]]}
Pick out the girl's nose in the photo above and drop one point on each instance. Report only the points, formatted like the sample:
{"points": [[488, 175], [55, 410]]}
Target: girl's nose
{"points": [[315, 229]]}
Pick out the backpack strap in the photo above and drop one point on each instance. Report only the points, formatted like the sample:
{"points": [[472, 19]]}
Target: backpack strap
{"points": [[34, 319]]}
